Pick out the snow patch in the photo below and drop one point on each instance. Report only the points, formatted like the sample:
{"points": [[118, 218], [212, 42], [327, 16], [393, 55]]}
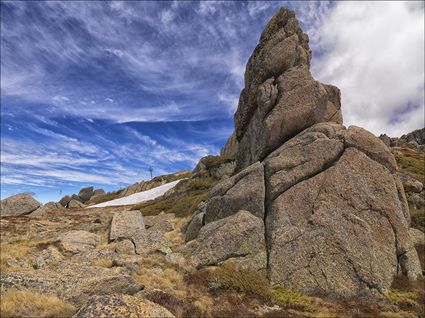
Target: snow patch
{"points": [[139, 197]]}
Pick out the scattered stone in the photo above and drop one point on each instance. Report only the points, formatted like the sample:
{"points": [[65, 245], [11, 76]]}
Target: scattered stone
{"points": [[410, 184], [126, 224], [65, 200], [46, 257], [19, 204], [151, 220], [147, 242], [194, 226], [79, 241], [125, 247], [98, 192], [85, 194], [45, 209], [75, 204]]}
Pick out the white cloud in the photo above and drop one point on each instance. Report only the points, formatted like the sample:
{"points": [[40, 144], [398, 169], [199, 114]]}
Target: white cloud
{"points": [[374, 52]]}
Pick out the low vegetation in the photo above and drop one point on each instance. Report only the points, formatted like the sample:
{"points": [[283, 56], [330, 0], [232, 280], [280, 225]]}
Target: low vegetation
{"points": [[247, 281], [104, 197], [20, 303], [183, 199], [411, 162]]}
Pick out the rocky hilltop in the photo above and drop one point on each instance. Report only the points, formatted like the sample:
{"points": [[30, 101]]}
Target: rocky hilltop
{"points": [[319, 207]]}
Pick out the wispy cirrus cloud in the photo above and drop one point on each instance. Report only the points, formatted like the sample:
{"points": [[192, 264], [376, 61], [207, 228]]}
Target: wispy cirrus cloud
{"points": [[97, 92]]}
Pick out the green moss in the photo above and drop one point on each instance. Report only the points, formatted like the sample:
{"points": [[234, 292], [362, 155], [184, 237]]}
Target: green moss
{"points": [[241, 280], [411, 162], [285, 296], [400, 297]]}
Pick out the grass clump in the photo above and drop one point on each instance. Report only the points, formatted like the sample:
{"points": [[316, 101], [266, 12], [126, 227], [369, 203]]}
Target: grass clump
{"points": [[411, 162], [243, 280], [285, 296], [396, 296], [15, 303]]}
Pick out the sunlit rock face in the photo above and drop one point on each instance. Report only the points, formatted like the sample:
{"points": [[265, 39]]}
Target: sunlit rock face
{"points": [[332, 210]]}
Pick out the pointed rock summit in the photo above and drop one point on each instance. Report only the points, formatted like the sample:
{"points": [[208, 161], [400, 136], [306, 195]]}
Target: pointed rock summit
{"points": [[319, 205]]}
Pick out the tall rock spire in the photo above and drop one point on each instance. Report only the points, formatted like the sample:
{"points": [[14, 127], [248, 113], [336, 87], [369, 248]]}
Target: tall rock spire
{"points": [[316, 205]]}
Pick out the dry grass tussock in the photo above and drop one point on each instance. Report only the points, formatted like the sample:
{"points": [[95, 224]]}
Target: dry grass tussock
{"points": [[16, 303]]}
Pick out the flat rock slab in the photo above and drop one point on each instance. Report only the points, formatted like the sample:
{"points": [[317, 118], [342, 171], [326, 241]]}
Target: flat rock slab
{"points": [[126, 224], [79, 241]]}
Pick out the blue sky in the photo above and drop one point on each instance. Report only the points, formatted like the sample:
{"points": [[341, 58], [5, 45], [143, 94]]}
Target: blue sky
{"points": [[95, 93]]}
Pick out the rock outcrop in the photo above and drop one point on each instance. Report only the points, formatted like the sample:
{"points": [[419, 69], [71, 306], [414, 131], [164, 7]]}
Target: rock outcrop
{"points": [[79, 241], [45, 209], [126, 225], [323, 202], [19, 204], [414, 139]]}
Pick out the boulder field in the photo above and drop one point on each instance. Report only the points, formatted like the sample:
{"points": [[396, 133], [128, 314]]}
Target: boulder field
{"points": [[315, 205]]}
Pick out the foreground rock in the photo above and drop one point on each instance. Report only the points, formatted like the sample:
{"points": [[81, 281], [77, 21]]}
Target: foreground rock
{"points": [[79, 241], [19, 204], [238, 238], [121, 306], [73, 282], [126, 224], [45, 209], [85, 194], [324, 202]]}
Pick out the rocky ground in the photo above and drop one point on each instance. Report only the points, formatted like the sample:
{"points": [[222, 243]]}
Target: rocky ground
{"points": [[81, 262]]}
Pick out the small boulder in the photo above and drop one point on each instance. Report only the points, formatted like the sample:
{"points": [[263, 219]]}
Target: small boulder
{"points": [[194, 226], [75, 204], [65, 200], [79, 241], [417, 236], [45, 209], [125, 247], [85, 194], [19, 204], [410, 184], [98, 192], [46, 257], [150, 242], [121, 306], [126, 224]]}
